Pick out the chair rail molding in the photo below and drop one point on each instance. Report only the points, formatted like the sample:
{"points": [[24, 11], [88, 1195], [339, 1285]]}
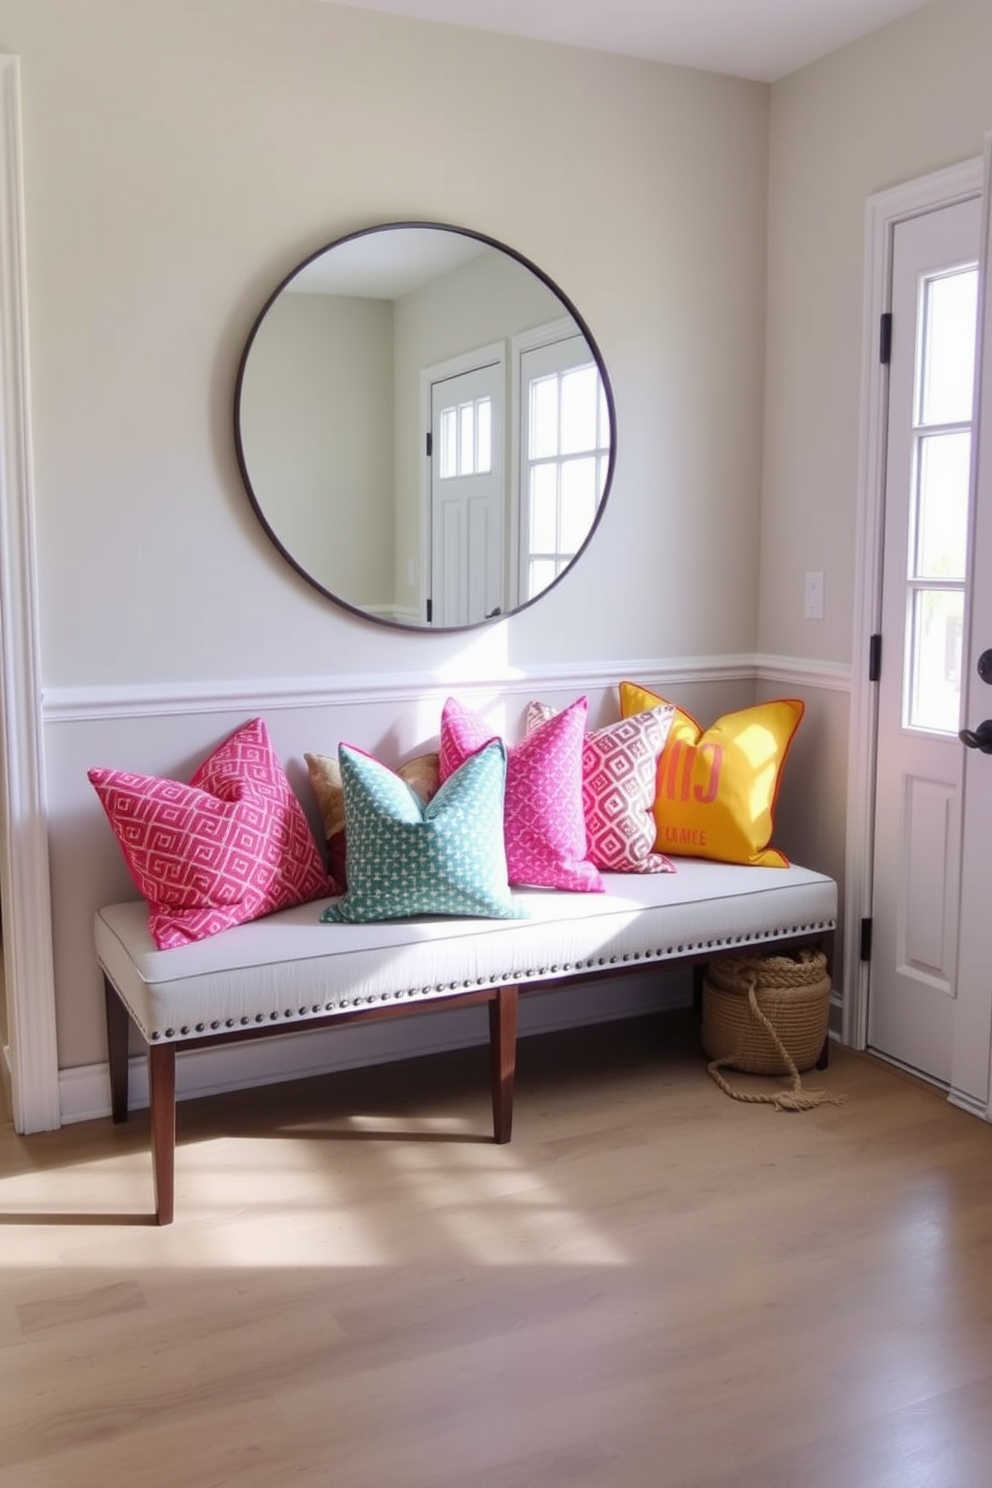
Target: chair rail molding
{"points": [[795, 671], [26, 893], [151, 700]]}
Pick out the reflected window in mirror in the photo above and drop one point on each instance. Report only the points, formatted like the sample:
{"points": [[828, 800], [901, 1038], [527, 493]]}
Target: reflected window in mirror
{"points": [[565, 444]]}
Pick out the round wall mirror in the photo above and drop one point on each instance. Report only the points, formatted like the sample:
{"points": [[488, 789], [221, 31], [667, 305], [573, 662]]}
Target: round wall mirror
{"points": [[425, 426]]}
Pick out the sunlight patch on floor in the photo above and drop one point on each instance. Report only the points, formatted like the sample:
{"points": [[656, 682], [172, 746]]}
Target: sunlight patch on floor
{"points": [[253, 1201], [499, 1216]]}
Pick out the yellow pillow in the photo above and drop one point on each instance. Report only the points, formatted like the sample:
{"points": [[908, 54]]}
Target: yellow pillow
{"points": [[717, 789]]}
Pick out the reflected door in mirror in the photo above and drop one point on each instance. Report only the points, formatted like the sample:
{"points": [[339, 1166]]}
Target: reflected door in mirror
{"points": [[468, 511]]}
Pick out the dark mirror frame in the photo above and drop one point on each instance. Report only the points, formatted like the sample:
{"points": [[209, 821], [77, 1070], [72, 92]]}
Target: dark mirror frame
{"points": [[567, 306]]}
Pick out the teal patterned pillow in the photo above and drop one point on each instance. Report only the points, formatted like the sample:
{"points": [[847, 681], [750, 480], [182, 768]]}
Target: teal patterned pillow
{"points": [[407, 858]]}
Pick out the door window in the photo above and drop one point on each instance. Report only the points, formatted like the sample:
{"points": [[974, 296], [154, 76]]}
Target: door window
{"points": [[942, 436], [466, 431]]}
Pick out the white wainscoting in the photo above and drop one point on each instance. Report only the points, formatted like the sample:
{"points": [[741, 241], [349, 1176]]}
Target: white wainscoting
{"points": [[163, 728]]}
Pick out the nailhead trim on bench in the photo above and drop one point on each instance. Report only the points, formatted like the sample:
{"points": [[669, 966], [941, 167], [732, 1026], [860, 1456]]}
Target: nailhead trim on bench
{"points": [[516, 977]]}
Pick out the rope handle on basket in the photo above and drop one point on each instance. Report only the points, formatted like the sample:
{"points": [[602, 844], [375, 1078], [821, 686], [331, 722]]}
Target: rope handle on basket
{"points": [[793, 1099]]}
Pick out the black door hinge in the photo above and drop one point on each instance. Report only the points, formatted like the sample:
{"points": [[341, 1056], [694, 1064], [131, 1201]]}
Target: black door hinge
{"points": [[866, 928], [430, 444], [874, 658], [430, 611], [885, 338]]}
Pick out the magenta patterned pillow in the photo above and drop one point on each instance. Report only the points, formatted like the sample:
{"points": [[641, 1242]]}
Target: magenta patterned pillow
{"points": [[619, 784], [543, 820], [231, 846]]}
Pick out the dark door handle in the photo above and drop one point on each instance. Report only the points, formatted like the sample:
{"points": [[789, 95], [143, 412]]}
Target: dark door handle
{"points": [[980, 738]]}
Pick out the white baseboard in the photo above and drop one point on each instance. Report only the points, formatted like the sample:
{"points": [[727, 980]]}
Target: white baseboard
{"points": [[84, 1091], [970, 1103], [836, 1015]]}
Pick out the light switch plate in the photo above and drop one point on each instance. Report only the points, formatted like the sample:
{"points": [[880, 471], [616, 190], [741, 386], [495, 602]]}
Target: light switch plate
{"points": [[813, 597]]}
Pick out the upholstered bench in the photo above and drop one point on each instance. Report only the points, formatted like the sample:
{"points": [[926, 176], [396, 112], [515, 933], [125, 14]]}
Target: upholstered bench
{"points": [[289, 971]]}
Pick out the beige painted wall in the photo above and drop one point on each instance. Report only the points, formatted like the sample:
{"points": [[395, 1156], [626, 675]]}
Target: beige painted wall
{"points": [[912, 98], [179, 160], [316, 429]]}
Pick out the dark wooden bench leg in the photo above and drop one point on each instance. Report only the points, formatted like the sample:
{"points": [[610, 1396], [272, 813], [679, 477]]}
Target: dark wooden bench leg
{"points": [[162, 1110], [118, 1026], [503, 1010]]}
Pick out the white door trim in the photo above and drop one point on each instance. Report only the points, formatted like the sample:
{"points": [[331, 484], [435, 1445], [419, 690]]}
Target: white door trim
{"points": [[884, 211], [24, 881]]}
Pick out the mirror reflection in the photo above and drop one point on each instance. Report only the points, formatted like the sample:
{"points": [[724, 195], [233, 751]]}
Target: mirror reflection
{"points": [[424, 426]]}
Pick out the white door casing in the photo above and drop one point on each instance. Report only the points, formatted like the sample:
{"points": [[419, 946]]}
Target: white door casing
{"points": [[920, 766], [24, 877]]}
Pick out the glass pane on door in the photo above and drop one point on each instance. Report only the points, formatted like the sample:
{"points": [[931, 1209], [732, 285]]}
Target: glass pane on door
{"points": [[948, 374], [938, 548], [942, 505], [937, 623]]}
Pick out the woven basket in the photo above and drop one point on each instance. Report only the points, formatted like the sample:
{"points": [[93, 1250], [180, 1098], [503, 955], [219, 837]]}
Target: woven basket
{"points": [[793, 992]]}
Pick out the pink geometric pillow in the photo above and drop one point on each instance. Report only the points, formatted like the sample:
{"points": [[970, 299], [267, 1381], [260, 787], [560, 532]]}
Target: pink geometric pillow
{"points": [[229, 847], [619, 784], [543, 821]]}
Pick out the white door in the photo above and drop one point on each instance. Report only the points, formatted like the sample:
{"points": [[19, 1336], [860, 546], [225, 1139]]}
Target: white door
{"points": [[973, 1027], [913, 1001], [467, 500]]}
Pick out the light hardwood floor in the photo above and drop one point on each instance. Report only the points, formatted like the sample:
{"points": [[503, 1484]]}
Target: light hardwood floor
{"points": [[652, 1286]]}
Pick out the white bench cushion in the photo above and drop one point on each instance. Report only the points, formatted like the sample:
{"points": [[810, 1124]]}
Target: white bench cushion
{"points": [[290, 967]]}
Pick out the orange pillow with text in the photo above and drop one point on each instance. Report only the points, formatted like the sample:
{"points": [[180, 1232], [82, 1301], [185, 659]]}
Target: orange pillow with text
{"points": [[717, 787]]}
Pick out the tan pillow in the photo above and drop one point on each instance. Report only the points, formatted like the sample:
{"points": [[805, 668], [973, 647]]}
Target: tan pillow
{"points": [[420, 773]]}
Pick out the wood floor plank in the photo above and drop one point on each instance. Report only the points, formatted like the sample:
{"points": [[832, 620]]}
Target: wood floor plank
{"points": [[60, 1310]]}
